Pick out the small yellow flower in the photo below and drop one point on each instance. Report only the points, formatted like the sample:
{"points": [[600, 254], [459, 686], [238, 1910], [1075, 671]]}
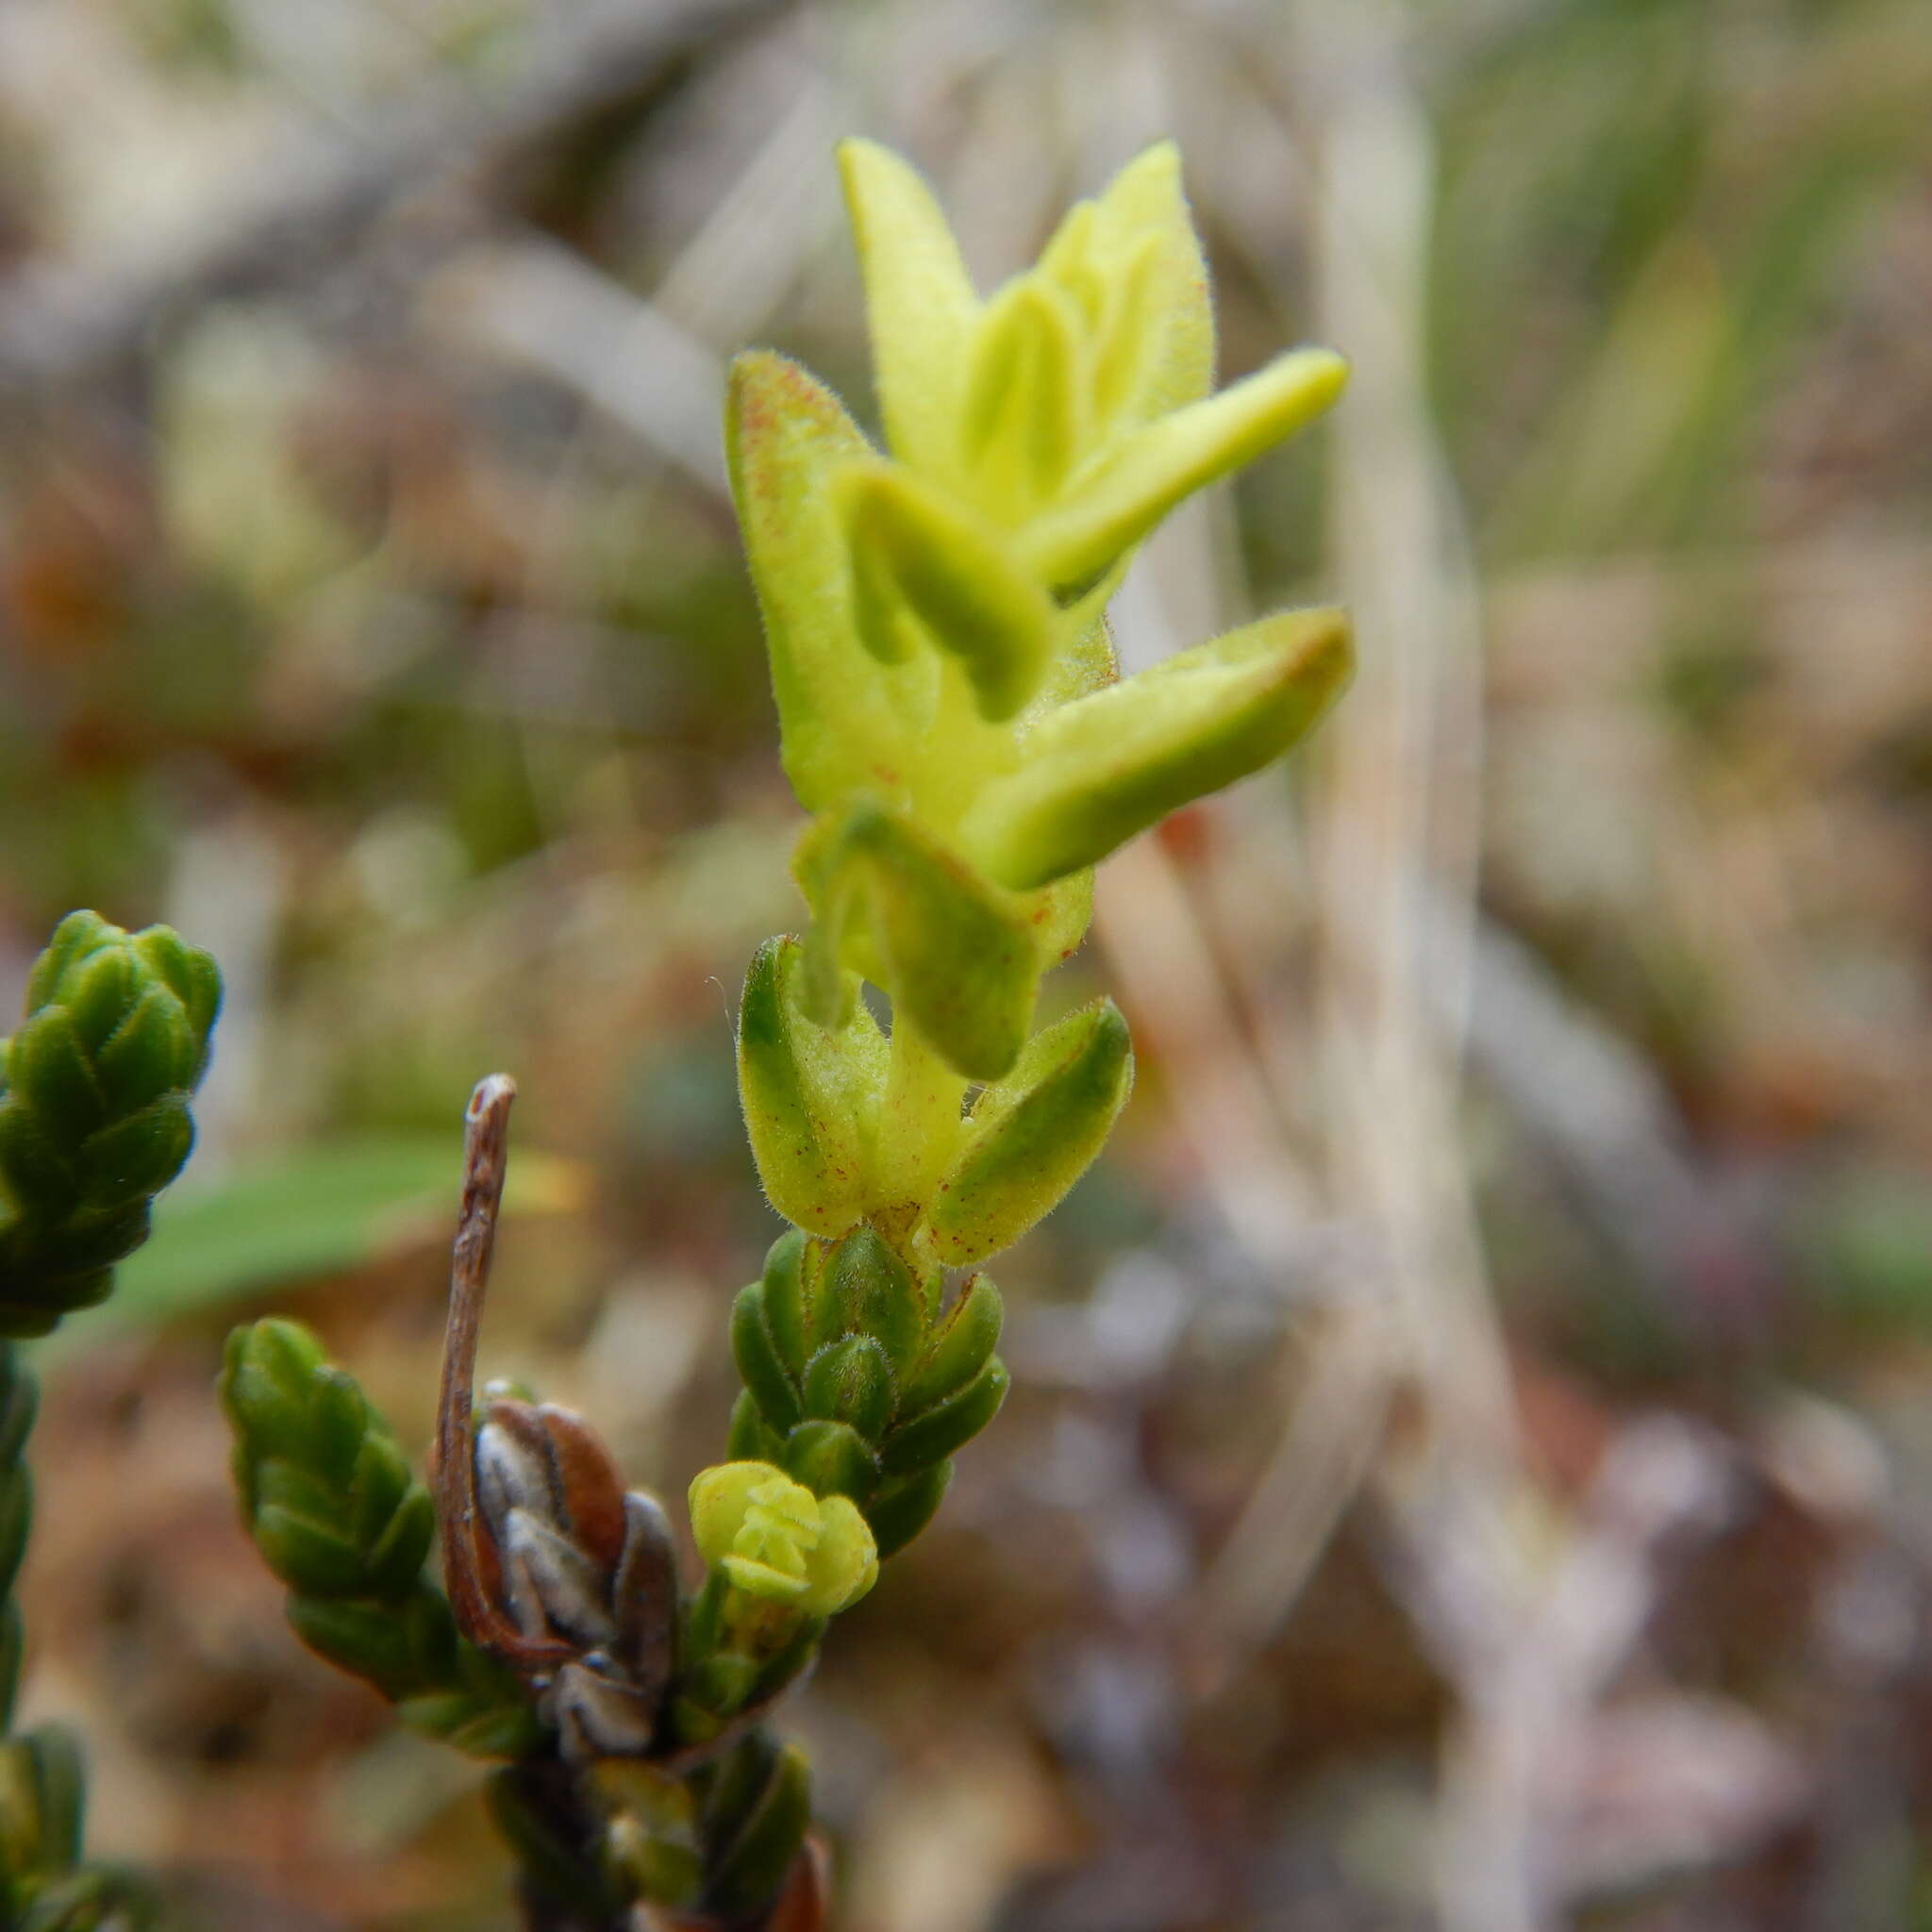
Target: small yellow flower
{"points": [[773, 1538]]}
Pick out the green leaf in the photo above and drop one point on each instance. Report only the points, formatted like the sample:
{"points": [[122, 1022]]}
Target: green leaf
{"points": [[48, 1071], [1157, 345], [903, 1508], [764, 1375], [948, 1426], [754, 1861], [786, 435], [1032, 1136], [898, 906], [960, 1351], [787, 1296], [154, 1048], [832, 1458], [1026, 420], [811, 1094], [322, 1209], [918, 304], [864, 1289], [1136, 484], [1100, 770], [918, 554]]}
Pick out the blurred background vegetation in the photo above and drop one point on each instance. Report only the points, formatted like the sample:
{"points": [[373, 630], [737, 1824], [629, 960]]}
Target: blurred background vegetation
{"points": [[1469, 1457]]}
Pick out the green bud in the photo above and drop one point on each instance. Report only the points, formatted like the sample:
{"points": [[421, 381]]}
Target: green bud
{"points": [[900, 907], [78, 934], [1032, 1136], [266, 1374], [832, 1458], [327, 1495], [493, 1723], [36, 1180], [947, 1426], [76, 1253], [94, 1119], [864, 1289], [958, 1351], [1106, 767], [851, 1382], [305, 1554], [773, 1538], [924, 567], [189, 973], [331, 1503], [99, 989], [152, 1051], [811, 1094]]}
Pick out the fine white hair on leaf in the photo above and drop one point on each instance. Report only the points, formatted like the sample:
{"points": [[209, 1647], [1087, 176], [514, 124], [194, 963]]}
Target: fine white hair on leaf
{"points": [[570, 1588], [598, 1716], [512, 1474]]}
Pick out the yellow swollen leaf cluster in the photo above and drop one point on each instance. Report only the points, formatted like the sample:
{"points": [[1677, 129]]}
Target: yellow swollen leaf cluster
{"points": [[951, 710]]}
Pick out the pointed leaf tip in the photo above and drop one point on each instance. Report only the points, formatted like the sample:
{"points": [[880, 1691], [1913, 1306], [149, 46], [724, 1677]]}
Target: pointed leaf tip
{"points": [[1033, 1134], [1106, 767], [920, 304], [1178, 454]]}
